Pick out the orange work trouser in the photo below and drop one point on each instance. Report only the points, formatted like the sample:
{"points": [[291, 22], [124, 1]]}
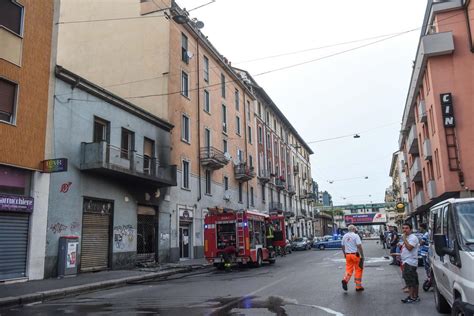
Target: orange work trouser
{"points": [[352, 262]]}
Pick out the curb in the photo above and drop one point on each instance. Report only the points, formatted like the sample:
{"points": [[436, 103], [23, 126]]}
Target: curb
{"points": [[84, 288]]}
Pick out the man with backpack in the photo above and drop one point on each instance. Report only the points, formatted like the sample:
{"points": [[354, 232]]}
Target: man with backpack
{"points": [[393, 241]]}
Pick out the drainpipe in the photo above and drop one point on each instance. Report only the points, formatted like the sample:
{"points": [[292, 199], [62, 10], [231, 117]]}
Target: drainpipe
{"points": [[199, 120], [245, 135], [469, 33]]}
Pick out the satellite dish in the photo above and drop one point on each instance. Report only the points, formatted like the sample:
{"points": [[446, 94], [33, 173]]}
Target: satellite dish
{"points": [[199, 24], [227, 195], [227, 156], [189, 54]]}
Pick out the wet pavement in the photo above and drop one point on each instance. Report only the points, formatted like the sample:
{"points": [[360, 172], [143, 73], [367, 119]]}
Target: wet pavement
{"points": [[303, 283]]}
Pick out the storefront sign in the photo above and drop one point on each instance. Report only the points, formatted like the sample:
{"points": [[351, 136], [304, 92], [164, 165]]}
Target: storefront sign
{"points": [[371, 218], [16, 203], [448, 110], [55, 165], [185, 214]]}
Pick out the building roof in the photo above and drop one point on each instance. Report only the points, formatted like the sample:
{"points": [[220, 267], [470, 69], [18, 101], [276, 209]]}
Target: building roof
{"points": [[81, 83], [275, 108]]}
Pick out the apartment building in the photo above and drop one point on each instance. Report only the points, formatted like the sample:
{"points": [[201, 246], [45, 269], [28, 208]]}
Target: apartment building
{"points": [[25, 55], [437, 130], [399, 188], [159, 59]]}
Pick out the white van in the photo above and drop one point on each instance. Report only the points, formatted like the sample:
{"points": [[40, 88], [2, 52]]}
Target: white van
{"points": [[452, 255]]}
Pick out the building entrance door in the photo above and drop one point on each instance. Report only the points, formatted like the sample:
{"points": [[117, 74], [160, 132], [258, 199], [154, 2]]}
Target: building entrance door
{"points": [[147, 226], [184, 241]]}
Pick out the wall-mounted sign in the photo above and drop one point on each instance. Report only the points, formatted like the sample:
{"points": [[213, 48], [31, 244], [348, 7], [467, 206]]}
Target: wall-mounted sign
{"points": [[55, 165], [448, 110], [185, 214], [369, 218], [16, 203]]}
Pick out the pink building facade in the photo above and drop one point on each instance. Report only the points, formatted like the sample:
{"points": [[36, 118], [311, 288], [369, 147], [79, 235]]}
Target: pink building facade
{"points": [[437, 138]]}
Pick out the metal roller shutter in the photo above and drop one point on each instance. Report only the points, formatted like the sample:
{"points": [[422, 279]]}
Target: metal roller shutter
{"points": [[13, 245], [95, 242]]}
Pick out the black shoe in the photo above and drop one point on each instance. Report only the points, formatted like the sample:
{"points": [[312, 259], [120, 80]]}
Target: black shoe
{"points": [[410, 300], [344, 285], [392, 264], [406, 300], [359, 289]]}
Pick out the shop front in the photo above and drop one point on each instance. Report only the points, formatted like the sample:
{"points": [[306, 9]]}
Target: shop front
{"points": [[185, 234]]}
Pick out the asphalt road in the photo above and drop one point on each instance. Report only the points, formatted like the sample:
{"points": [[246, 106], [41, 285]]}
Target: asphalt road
{"points": [[303, 283]]}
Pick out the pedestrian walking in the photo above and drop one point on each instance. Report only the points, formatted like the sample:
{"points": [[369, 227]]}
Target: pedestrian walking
{"points": [[424, 248], [394, 239], [354, 254], [409, 258], [382, 239]]}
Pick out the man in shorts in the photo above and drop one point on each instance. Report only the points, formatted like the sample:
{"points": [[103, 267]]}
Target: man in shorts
{"points": [[409, 257]]}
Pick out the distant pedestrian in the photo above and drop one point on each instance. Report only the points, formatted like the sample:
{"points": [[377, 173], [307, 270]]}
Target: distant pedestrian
{"points": [[409, 256], [394, 239], [354, 254], [382, 239]]}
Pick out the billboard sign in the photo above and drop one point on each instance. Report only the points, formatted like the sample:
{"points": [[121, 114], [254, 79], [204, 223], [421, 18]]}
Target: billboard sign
{"points": [[365, 219]]}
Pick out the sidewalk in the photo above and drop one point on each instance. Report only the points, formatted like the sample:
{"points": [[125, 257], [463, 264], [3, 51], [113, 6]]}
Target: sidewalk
{"points": [[34, 291]]}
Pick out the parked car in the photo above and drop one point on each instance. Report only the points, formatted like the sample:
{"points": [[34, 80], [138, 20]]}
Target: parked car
{"points": [[452, 255], [329, 243], [301, 244]]}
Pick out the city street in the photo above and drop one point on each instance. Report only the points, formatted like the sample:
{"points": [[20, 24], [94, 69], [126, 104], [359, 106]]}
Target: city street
{"points": [[303, 283]]}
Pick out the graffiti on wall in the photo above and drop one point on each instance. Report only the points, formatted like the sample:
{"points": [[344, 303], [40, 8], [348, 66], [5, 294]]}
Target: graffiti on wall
{"points": [[57, 228], [124, 238], [75, 227], [65, 187]]}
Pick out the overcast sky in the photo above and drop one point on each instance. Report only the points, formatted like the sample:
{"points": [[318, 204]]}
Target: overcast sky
{"points": [[359, 91]]}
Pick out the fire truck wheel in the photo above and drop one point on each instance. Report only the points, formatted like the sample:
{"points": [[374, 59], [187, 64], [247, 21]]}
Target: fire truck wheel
{"points": [[258, 263], [271, 261]]}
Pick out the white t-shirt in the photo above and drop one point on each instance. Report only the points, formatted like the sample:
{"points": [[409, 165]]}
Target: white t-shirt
{"points": [[350, 242], [411, 257]]}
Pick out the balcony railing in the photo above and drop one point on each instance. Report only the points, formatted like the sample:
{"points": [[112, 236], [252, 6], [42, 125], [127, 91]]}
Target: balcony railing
{"points": [[243, 173], [412, 141], [431, 188], [422, 111], [427, 151], [213, 158], [415, 170], [279, 184], [264, 176], [419, 200], [275, 206], [291, 189], [311, 196], [289, 214], [125, 164]]}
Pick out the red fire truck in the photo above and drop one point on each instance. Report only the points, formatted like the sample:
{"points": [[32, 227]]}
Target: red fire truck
{"points": [[240, 237]]}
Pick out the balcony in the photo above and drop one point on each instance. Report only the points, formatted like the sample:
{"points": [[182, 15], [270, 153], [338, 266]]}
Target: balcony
{"points": [[279, 184], [275, 206], [415, 171], [422, 111], [431, 189], [125, 165], [243, 173], [213, 158], [264, 176], [311, 197], [412, 141], [427, 151], [419, 200], [291, 189], [289, 214]]}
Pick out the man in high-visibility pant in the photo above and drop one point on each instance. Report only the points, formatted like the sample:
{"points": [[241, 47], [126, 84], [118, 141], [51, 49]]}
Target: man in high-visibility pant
{"points": [[354, 254]]}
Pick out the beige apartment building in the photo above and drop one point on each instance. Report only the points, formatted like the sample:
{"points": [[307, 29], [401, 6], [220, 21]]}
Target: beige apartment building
{"points": [[153, 54]]}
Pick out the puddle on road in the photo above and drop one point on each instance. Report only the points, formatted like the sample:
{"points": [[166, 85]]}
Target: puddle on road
{"points": [[228, 305]]}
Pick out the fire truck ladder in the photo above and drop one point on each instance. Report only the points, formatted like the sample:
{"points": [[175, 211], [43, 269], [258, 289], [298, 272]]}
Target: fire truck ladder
{"points": [[240, 231], [451, 143]]}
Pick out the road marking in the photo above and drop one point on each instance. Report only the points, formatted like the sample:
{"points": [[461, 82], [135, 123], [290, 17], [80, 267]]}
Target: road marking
{"points": [[327, 310]]}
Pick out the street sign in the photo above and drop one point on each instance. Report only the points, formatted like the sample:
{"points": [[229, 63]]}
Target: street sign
{"points": [[55, 165]]}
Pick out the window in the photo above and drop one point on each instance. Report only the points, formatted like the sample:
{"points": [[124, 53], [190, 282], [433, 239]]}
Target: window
{"points": [[240, 192], [224, 146], [207, 102], [184, 48], [268, 118], [274, 125], [237, 125], [438, 170], [8, 99], [263, 193], [259, 109], [185, 131], [207, 138], [223, 85], [268, 142], [128, 140], [250, 161], [249, 118], [206, 69], [11, 16], [208, 181], [185, 174], [148, 155], [101, 130], [237, 100], [251, 197], [224, 118], [184, 84], [432, 120], [260, 135], [250, 134], [240, 155], [226, 183]]}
